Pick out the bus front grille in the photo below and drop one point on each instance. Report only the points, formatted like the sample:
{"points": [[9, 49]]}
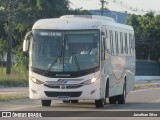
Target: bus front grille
{"points": [[65, 86], [56, 94]]}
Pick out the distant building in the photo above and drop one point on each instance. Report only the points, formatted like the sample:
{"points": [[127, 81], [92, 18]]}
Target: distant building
{"points": [[121, 17], [3, 59]]}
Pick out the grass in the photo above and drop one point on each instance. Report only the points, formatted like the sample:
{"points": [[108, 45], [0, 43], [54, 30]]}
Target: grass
{"points": [[8, 97], [13, 82], [16, 79]]}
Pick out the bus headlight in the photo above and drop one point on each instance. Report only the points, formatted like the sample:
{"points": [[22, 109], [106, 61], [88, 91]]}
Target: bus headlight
{"points": [[94, 79], [36, 81]]}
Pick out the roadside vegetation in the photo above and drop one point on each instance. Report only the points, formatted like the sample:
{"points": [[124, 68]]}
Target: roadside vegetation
{"points": [[147, 35], [9, 97], [16, 79]]}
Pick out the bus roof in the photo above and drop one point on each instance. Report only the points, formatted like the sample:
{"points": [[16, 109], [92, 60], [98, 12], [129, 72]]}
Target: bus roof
{"points": [[78, 22]]}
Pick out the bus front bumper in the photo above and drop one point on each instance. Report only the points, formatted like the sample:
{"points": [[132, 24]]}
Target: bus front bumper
{"points": [[86, 92]]}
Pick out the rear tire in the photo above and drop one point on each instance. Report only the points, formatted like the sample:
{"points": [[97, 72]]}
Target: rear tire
{"points": [[112, 100], [74, 101], [46, 102]]}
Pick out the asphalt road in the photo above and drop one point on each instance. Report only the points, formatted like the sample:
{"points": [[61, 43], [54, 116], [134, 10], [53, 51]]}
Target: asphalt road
{"points": [[139, 100]]}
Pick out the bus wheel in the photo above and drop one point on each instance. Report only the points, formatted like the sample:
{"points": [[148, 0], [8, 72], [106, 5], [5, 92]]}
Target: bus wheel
{"points": [[112, 100], [122, 98], [99, 103], [74, 101], [46, 102], [66, 101]]}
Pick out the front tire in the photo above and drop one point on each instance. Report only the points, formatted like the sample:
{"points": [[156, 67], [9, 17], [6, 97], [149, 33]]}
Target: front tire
{"points": [[100, 103], [122, 98], [46, 102], [66, 101], [74, 101]]}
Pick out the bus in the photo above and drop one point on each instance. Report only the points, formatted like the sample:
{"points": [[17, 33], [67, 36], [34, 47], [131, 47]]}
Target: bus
{"points": [[80, 57]]}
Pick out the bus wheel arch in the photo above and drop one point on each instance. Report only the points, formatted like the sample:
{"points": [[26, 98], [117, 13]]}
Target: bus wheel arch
{"points": [[101, 102]]}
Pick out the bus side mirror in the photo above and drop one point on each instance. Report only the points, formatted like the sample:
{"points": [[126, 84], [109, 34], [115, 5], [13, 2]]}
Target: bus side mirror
{"points": [[26, 42], [25, 45]]}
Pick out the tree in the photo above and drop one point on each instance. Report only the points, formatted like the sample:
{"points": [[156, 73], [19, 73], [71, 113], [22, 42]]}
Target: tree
{"points": [[147, 35], [24, 14], [79, 11], [52, 8], [2, 33]]}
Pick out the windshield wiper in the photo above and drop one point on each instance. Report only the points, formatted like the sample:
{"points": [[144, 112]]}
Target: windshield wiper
{"points": [[50, 67]]}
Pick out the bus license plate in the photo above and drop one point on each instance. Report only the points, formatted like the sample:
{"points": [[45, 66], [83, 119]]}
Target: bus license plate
{"points": [[63, 97]]}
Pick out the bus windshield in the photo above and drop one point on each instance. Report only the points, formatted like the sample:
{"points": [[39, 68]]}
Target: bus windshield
{"points": [[64, 51]]}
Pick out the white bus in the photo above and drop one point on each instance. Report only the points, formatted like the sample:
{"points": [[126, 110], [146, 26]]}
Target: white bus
{"points": [[75, 58]]}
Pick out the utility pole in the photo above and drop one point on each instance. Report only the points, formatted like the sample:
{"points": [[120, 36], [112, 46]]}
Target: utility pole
{"points": [[102, 7], [9, 43]]}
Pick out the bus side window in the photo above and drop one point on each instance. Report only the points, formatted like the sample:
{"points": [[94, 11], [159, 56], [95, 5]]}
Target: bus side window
{"points": [[126, 43], [133, 42], [116, 42], [121, 42], [105, 42], [103, 48], [111, 42], [130, 43]]}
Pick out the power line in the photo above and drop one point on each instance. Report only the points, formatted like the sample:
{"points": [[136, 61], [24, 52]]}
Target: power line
{"points": [[131, 8]]}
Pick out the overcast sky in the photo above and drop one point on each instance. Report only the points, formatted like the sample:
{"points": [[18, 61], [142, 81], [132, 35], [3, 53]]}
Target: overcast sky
{"points": [[139, 4]]}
